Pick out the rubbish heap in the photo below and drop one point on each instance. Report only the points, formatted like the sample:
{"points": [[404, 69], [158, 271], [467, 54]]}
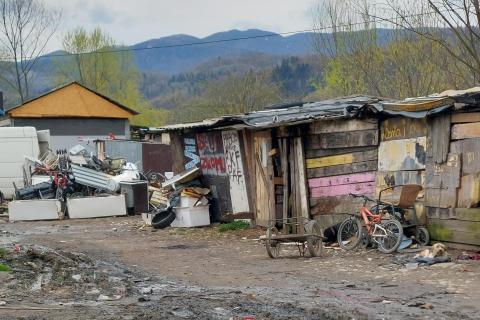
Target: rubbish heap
{"points": [[77, 184]]}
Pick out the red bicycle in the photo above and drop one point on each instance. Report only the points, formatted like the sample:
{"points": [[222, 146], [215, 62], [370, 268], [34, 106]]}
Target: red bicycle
{"points": [[367, 226]]}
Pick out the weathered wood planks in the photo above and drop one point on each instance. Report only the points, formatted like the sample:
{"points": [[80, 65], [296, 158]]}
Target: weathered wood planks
{"points": [[317, 153], [438, 134], [470, 214], [341, 159], [446, 175], [406, 154], [466, 130], [338, 204], [337, 140], [345, 189], [342, 169], [459, 231], [466, 117], [402, 128], [343, 126], [340, 180], [469, 192]]}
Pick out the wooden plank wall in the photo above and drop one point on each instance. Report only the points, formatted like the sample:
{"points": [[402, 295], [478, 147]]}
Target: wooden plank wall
{"points": [[341, 158], [453, 188], [401, 155]]}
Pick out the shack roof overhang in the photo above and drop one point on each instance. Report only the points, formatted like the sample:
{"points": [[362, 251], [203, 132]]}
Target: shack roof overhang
{"points": [[340, 108]]}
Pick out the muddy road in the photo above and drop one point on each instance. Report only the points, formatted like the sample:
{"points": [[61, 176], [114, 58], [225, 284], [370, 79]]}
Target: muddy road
{"points": [[116, 268]]}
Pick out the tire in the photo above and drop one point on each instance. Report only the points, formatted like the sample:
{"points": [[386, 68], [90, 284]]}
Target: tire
{"points": [[349, 233], [422, 236], [273, 247], [314, 242], [163, 219], [394, 237]]}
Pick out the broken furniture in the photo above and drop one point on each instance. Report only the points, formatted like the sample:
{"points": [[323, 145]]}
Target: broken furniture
{"points": [[136, 195]]}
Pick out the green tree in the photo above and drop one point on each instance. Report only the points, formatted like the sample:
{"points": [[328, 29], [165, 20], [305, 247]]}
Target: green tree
{"points": [[235, 94], [98, 63]]}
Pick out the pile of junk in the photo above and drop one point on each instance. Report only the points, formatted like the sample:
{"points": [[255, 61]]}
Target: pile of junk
{"points": [[78, 184]]}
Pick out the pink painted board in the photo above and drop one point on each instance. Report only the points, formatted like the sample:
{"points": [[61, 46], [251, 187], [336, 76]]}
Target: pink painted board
{"points": [[341, 180], [341, 190]]}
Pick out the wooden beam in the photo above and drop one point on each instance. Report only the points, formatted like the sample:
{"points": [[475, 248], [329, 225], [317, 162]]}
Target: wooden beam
{"points": [[341, 159], [402, 128], [466, 117], [317, 153], [471, 214], [345, 189], [343, 139], [459, 231], [302, 179], [342, 169], [341, 180], [466, 130], [330, 126]]}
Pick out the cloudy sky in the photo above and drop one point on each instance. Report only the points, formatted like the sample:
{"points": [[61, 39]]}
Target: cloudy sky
{"points": [[132, 21]]}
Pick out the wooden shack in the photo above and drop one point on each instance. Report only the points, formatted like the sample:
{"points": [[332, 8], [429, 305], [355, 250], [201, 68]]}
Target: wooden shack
{"points": [[304, 160]]}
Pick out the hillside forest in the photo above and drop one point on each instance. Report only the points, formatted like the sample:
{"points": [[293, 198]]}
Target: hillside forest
{"points": [[397, 50]]}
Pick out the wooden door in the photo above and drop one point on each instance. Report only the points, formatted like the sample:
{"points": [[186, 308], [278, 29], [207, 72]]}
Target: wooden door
{"points": [[265, 208]]}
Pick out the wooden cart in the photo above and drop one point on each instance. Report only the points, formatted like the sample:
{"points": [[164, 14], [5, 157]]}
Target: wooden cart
{"points": [[306, 234]]}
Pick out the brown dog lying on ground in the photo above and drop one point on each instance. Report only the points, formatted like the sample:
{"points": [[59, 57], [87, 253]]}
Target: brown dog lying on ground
{"points": [[438, 250]]}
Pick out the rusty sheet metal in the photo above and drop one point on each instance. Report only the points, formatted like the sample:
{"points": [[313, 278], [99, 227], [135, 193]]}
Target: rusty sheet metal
{"points": [[402, 128], [406, 154], [156, 157]]}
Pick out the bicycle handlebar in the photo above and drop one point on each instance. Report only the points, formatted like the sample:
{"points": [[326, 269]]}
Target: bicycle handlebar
{"points": [[362, 196]]}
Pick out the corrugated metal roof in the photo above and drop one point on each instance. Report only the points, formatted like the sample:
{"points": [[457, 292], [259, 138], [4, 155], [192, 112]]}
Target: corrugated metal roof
{"points": [[345, 107]]}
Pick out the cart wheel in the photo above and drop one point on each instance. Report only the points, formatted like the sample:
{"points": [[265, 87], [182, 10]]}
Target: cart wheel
{"points": [[273, 247], [422, 236], [314, 241]]}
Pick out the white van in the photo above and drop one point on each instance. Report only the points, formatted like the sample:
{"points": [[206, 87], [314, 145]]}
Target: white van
{"points": [[15, 144]]}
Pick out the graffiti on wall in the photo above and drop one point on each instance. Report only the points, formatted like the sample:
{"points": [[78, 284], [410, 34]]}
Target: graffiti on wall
{"points": [[210, 150], [235, 171], [190, 153]]}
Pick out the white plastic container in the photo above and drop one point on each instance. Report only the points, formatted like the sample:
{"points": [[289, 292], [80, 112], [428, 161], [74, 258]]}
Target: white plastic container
{"points": [[186, 217]]}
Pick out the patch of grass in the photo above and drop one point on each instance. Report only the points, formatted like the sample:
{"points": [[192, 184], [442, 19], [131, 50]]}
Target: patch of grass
{"points": [[234, 225], [3, 252], [4, 268]]}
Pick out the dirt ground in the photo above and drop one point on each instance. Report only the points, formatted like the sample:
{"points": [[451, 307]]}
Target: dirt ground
{"points": [[116, 268]]}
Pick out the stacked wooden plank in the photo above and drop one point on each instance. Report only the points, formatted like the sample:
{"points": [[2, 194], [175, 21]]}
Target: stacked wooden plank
{"points": [[341, 158], [452, 210], [401, 155]]}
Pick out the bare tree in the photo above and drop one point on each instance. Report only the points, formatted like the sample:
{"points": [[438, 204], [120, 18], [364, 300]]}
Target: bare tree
{"points": [[26, 26], [453, 24]]}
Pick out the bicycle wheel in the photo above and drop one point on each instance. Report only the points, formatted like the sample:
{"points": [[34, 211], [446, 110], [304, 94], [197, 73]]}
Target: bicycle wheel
{"points": [[349, 233], [315, 239], [422, 236], [393, 238]]}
